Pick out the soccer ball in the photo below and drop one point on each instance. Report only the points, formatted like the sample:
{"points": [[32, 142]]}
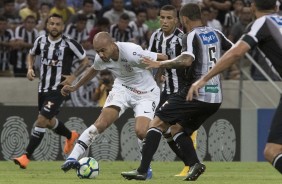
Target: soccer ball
{"points": [[89, 168]]}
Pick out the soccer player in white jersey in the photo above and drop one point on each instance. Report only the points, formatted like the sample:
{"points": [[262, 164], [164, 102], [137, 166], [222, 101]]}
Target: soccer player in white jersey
{"points": [[134, 87]]}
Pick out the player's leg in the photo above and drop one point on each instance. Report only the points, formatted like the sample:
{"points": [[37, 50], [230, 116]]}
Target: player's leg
{"points": [[115, 105], [195, 114], [186, 167], [59, 128], [144, 109], [273, 148], [150, 146], [48, 105], [141, 128], [108, 116]]}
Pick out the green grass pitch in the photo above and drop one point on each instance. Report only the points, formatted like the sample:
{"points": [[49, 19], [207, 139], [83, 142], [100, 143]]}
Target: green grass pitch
{"points": [[44, 172]]}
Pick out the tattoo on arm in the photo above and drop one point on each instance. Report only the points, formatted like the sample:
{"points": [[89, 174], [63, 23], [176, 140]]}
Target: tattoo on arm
{"points": [[178, 62]]}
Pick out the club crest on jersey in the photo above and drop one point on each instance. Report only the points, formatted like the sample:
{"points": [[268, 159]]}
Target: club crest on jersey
{"points": [[208, 38], [58, 53], [128, 68]]}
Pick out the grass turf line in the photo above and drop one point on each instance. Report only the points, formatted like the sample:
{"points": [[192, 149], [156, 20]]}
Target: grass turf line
{"points": [[49, 172]]}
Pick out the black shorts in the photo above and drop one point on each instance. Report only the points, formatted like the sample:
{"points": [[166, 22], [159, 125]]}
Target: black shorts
{"points": [[275, 133], [49, 103], [189, 114], [164, 97]]}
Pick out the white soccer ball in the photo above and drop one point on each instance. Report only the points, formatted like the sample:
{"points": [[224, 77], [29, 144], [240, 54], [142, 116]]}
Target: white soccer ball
{"points": [[89, 168]]}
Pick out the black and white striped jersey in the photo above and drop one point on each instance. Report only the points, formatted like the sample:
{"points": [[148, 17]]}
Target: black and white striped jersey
{"points": [[171, 46], [266, 34], [27, 36], [4, 51], [124, 36], [205, 45], [73, 33], [56, 59]]}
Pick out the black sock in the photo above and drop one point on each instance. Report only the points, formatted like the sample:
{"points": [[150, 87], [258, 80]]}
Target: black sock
{"points": [[175, 148], [186, 146], [61, 129], [277, 162], [150, 146], [35, 139]]}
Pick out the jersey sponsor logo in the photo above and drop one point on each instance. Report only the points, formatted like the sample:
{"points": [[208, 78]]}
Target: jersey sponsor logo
{"points": [[208, 38], [211, 88], [277, 19], [52, 62]]}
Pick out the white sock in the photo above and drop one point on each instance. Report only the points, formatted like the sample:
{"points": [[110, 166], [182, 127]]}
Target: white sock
{"points": [[87, 137], [140, 144]]}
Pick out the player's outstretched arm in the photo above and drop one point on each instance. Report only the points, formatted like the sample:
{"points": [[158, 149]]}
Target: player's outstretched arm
{"points": [[182, 60], [81, 68], [89, 74]]}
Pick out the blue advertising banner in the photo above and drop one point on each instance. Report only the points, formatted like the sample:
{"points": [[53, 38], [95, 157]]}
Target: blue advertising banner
{"points": [[264, 122]]}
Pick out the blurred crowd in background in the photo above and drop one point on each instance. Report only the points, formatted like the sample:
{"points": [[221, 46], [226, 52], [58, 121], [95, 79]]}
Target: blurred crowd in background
{"points": [[21, 21]]}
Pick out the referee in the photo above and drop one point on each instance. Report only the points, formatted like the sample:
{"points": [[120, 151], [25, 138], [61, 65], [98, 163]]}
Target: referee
{"points": [[57, 53]]}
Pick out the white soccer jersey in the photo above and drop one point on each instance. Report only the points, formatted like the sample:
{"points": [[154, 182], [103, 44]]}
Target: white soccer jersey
{"points": [[129, 70]]}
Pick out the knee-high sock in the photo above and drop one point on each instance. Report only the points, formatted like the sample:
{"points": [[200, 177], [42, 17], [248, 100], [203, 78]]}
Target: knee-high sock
{"points": [[35, 139], [61, 129], [172, 144], [186, 145], [150, 146], [277, 163], [84, 141]]}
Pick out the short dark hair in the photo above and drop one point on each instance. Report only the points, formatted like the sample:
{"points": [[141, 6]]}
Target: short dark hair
{"points": [[124, 16], [45, 4], [87, 1], [80, 17], [141, 10], [103, 21], [169, 8], [55, 15], [265, 4], [191, 10]]}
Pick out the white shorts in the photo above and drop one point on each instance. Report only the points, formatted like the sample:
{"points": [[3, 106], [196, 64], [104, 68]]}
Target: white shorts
{"points": [[143, 104]]}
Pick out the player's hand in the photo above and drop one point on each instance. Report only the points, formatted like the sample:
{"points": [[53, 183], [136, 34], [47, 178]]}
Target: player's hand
{"points": [[30, 74], [150, 63], [67, 89], [68, 80], [194, 89]]}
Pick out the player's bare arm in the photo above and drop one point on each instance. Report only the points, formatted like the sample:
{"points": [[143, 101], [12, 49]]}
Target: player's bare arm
{"points": [[161, 57], [228, 59], [81, 68], [178, 62], [89, 74], [30, 72]]}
